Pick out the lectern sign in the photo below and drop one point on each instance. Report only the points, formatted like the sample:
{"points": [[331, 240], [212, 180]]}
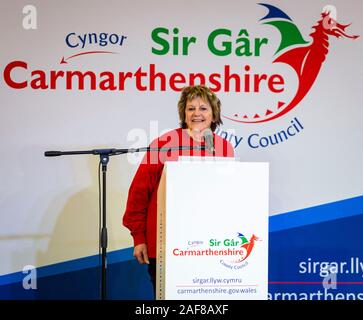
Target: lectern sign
{"points": [[232, 251], [213, 231]]}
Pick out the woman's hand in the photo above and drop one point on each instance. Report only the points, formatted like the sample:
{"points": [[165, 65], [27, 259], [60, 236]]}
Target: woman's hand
{"points": [[140, 253]]}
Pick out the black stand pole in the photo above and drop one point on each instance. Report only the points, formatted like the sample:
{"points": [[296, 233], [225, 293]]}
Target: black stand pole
{"points": [[104, 159]]}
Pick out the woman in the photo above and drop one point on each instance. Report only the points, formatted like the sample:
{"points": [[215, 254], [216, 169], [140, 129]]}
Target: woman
{"points": [[199, 109]]}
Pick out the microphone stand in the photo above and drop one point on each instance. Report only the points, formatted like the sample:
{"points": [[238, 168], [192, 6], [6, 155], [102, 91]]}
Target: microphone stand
{"points": [[104, 159]]}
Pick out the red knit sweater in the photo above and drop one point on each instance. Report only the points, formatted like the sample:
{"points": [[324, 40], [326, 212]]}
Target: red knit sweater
{"points": [[140, 215]]}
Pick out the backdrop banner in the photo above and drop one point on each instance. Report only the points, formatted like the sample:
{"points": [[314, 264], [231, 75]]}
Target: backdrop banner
{"points": [[81, 75]]}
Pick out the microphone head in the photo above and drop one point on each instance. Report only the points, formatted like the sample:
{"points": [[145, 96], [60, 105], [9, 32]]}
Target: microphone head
{"points": [[209, 139], [52, 153], [207, 132]]}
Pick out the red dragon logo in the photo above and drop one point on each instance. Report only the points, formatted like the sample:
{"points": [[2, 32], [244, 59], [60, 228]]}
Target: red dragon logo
{"points": [[246, 246], [305, 58]]}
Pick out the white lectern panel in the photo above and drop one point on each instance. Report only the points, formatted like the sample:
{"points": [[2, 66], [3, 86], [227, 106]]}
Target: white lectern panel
{"points": [[213, 231]]}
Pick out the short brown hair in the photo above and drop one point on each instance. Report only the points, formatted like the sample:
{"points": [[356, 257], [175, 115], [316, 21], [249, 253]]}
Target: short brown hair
{"points": [[203, 92]]}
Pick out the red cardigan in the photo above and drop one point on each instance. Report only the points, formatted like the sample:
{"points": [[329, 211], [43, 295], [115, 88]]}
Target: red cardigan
{"points": [[140, 215]]}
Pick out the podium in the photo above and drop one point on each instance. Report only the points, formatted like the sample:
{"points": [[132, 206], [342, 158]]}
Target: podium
{"points": [[212, 231]]}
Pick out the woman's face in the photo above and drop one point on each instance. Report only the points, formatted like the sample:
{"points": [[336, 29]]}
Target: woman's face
{"points": [[198, 114]]}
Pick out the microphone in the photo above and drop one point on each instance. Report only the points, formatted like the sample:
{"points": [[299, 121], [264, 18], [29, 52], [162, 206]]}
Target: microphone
{"points": [[209, 140], [52, 153]]}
